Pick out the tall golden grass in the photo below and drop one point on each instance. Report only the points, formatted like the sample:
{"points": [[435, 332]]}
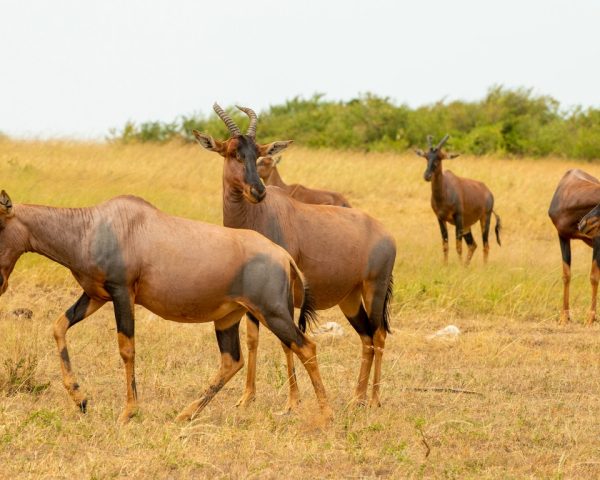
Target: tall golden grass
{"points": [[536, 414]]}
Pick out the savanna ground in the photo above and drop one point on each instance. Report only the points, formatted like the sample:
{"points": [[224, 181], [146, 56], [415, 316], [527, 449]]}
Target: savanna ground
{"points": [[538, 406]]}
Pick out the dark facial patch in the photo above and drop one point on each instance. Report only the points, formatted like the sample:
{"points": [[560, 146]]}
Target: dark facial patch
{"points": [[229, 341], [247, 152], [433, 160]]}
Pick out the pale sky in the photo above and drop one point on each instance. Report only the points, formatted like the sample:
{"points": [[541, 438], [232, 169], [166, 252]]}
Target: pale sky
{"points": [[75, 68]]}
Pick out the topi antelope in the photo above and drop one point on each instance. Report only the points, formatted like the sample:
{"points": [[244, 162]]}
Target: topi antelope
{"points": [[267, 171], [128, 252], [346, 255], [458, 201], [576, 194]]}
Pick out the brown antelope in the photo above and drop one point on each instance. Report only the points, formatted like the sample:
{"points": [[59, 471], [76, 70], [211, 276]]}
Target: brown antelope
{"points": [[267, 171], [128, 252], [346, 255], [577, 193], [458, 201]]}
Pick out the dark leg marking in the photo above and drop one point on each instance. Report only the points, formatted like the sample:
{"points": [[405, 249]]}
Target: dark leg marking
{"points": [[229, 341], [565, 249]]}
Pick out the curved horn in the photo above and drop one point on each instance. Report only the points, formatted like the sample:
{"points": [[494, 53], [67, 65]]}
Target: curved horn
{"points": [[233, 128], [429, 140], [442, 141], [253, 120]]}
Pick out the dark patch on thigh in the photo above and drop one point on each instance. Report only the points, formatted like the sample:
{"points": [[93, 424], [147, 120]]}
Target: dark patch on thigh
{"points": [[229, 341], [381, 255], [122, 307], [266, 285], [469, 238]]}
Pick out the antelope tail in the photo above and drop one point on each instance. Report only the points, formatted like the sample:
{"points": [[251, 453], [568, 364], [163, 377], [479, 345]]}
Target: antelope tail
{"points": [[498, 227], [389, 294], [308, 314]]}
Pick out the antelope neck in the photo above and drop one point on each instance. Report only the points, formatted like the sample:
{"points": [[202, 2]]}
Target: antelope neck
{"points": [[275, 179]]}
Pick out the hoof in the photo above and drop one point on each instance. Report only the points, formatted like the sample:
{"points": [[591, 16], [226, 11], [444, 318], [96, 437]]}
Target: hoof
{"points": [[245, 400], [183, 418], [591, 319], [564, 317], [359, 402], [375, 402], [83, 405], [327, 413], [283, 413], [127, 415]]}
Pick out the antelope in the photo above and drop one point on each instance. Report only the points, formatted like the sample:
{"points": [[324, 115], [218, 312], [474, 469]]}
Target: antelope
{"points": [[576, 194], [127, 252], [458, 201], [346, 255], [267, 171]]}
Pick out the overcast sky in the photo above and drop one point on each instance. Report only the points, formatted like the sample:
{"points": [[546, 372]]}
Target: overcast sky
{"points": [[77, 68]]}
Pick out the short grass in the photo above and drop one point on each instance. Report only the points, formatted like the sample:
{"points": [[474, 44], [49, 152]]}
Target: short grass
{"points": [[538, 384]]}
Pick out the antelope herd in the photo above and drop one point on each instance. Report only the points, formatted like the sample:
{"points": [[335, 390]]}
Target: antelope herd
{"points": [[281, 246]]}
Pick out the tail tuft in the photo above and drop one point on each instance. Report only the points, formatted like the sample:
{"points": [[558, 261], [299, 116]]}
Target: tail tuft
{"points": [[389, 295], [308, 314], [497, 228]]}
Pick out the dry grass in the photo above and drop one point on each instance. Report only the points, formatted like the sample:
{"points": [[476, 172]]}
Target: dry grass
{"points": [[537, 415]]}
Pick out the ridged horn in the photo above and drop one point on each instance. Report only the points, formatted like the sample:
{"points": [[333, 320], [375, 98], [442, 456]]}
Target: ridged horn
{"points": [[429, 141], [253, 120], [233, 128], [442, 141]]}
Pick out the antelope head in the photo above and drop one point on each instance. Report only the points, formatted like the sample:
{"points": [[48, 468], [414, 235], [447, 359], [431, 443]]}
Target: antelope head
{"points": [[434, 156], [11, 239], [241, 153], [589, 225]]}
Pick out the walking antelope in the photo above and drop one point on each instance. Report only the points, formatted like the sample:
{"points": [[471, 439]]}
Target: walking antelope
{"points": [[117, 251], [458, 201], [346, 255], [267, 171], [576, 194]]}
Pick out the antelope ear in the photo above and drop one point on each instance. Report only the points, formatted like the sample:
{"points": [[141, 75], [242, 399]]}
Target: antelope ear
{"points": [[6, 206], [273, 148], [420, 152], [208, 142], [450, 156], [264, 161]]}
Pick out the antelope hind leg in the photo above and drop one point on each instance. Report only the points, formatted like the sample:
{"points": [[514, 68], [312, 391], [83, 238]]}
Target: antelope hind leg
{"points": [[231, 362]]}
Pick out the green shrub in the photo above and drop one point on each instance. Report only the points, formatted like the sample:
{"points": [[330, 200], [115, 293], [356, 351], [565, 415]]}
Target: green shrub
{"points": [[514, 122]]}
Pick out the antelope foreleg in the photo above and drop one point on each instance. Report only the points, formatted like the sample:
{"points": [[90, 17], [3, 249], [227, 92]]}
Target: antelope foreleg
{"points": [[594, 277], [123, 301], [84, 307], [565, 248], [444, 232]]}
